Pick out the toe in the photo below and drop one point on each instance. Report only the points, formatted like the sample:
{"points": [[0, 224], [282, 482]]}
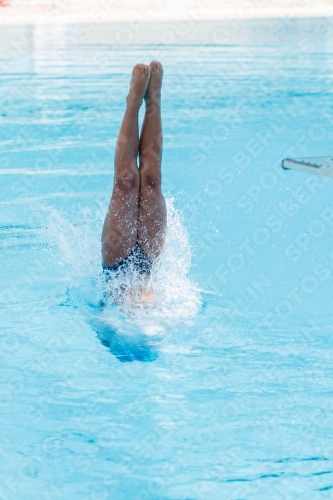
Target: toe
{"points": [[156, 67], [136, 69], [139, 68], [153, 66]]}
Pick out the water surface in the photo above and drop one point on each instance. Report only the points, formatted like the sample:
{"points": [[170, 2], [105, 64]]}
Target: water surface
{"points": [[223, 391]]}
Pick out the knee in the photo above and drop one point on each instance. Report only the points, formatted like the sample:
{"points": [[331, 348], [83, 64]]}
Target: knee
{"points": [[151, 179], [127, 182]]}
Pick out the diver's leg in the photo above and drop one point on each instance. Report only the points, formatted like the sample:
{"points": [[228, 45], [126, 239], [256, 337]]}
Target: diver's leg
{"points": [[152, 209], [119, 233]]}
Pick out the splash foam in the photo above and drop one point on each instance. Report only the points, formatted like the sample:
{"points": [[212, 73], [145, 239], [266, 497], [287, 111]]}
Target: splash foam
{"points": [[78, 244]]}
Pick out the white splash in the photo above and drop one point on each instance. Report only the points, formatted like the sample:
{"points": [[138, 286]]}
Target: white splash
{"points": [[78, 244]]}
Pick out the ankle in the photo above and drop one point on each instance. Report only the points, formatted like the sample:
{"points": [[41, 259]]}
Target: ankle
{"points": [[133, 101], [153, 101]]}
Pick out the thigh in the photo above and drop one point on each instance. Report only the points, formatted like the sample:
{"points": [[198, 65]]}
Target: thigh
{"points": [[121, 224], [152, 219]]}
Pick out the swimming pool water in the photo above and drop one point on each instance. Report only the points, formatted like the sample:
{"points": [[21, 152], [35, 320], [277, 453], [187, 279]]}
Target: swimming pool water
{"points": [[225, 390]]}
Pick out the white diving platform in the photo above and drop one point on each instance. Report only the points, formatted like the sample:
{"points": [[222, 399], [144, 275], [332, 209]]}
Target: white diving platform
{"points": [[322, 165]]}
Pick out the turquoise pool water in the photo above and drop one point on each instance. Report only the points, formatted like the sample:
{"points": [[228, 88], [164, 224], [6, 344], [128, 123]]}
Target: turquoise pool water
{"points": [[224, 391]]}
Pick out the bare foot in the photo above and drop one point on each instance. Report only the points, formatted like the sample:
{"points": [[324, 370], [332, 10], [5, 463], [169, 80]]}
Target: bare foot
{"points": [[139, 83], [153, 95]]}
